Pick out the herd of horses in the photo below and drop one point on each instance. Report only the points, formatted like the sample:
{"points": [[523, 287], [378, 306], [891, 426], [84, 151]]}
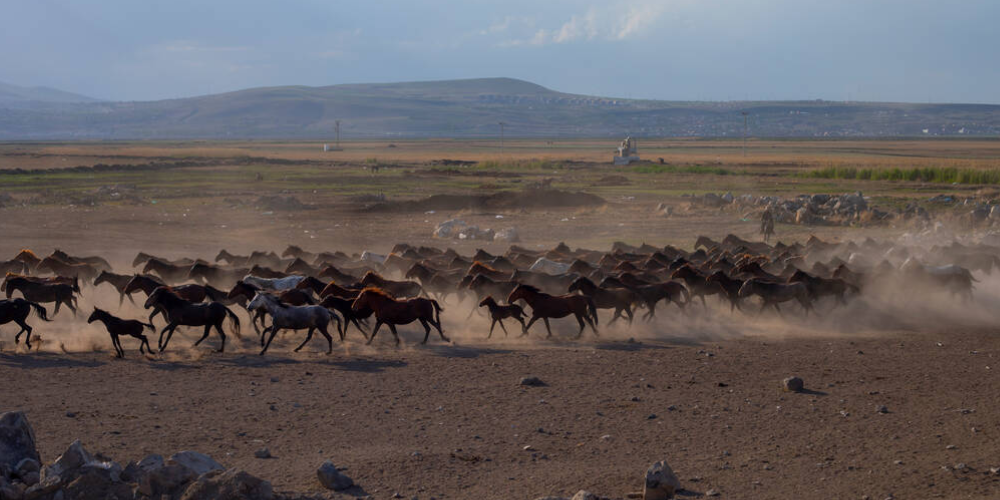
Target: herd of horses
{"points": [[301, 290]]}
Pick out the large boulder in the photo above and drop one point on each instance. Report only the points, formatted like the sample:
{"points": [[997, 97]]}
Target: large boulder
{"points": [[157, 477], [17, 442], [232, 484], [331, 478], [509, 235], [449, 228], [198, 463], [661, 482]]}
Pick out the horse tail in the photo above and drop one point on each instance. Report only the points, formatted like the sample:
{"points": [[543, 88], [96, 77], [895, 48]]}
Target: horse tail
{"points": [[235, 327], [593, 309], [39, 310], [437, 310]]}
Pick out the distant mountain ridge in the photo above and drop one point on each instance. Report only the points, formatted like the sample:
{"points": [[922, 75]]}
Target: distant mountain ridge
{"points": [[473, 108], [10, 94]]}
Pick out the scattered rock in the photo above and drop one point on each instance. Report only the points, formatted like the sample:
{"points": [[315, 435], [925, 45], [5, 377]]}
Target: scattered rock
{"points": [[712, 493], [198, 463], [17, 442], [331, 478], [262, 453], [232, 484], [532, 382], [882, 409], [793, 384], [661, 482]]}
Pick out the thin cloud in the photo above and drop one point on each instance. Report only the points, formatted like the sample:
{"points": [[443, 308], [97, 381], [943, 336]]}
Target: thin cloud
{"points": [[620, 21]]}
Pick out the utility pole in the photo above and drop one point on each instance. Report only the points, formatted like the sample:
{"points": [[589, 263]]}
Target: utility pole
{"points": [[337, 128], [745, 126], [502, 124]]}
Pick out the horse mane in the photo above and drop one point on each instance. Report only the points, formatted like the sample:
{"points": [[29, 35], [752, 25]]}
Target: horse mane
{"points": [[484, 266], [373, 275], [377, 291], [530, 288], [28, 252]]}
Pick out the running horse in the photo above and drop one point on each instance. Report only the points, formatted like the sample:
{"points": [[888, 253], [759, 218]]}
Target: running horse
{"points": [[43, 292], [295, 318], [183, 312], [17, 310], [545, 306], [392, 312]]}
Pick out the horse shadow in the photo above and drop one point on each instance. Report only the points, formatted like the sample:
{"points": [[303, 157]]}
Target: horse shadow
{"points": [[462, 351], [627, 346], [46, 360], [367, 365]]}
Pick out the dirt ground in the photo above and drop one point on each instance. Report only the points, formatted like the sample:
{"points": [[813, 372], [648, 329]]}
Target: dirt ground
{"points": [[702, 391]]}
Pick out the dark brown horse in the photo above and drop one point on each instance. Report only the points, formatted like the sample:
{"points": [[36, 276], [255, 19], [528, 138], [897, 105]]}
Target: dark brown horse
{"points": [[545, 306], [142, 258], [118, 327], [51, 264], [392, 312], [170, 273], [51, 280], [730, 288], [98, 262], [671, 291], [697, 283], [774, 293], [17, 310], [821, 287], [434, 281], [216, 276], [619, 299], [42, 292], [486, 270], [395, 288], [343, 306], [182, 312], [231, 259], [498, 313], [119, 281], [337, 275]]}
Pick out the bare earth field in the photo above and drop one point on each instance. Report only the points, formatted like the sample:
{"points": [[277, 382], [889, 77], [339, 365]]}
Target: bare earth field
{"points": [[701, 391]]}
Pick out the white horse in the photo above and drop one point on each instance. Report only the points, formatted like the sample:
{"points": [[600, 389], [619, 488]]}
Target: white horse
{"points": [[274, 284], [295, 318]]}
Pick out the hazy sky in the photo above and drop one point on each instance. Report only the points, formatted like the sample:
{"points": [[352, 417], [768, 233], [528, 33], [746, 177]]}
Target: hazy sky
{"points": [[898, 50]]}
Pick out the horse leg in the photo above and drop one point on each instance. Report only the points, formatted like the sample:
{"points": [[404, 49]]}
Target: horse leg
{"points": [[121, 299], [120, 351], [618, 313], [329, 339], [504, 328], [579, 319], [427, 329], [274, 331], [309, 335], [548, 328], [378, 324], [703, 303], [392, 328], [162, 344], [776, 308], [492, 324], [56, 309], [222, 336], [524, 328], [437, 324], [208, 329], [24, 328]]}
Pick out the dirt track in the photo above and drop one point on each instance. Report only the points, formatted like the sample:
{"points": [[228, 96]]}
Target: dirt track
{"points": [[453, 421]]}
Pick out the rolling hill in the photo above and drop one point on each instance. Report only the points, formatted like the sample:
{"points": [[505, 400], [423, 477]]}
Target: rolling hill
{"points": [[11, 95], [472, 108]]}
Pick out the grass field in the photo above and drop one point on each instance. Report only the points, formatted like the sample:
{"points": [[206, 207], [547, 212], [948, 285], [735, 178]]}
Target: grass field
{"points": [[899, 169]]}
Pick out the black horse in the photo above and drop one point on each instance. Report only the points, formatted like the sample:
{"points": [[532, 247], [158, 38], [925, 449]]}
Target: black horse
{"points": [[184, 312], [17, 310], [117, 327]]}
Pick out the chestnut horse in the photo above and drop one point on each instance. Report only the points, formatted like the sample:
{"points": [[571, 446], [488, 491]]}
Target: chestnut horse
{"points": [[545, 306], [394, 312]]}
